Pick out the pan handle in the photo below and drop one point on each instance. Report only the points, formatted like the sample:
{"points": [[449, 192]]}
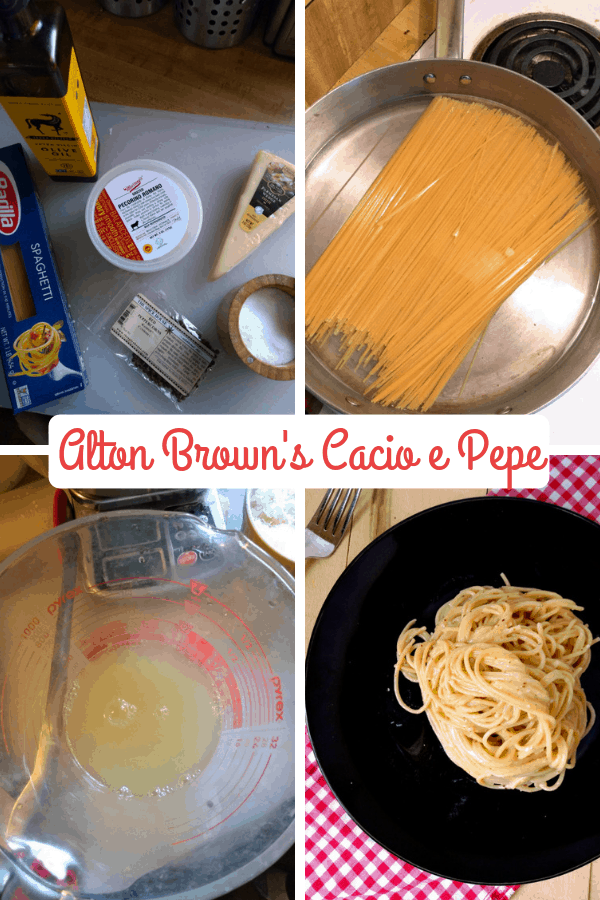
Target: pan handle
{"points": [[449, 29]]}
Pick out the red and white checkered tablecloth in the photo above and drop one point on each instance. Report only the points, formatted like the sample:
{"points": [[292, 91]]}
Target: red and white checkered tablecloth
{"points": [[574, 483], [341, 861]]}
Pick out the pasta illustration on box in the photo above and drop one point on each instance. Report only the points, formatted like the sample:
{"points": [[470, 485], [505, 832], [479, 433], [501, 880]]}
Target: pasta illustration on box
{"points": [[40, 353], [37, 350]]}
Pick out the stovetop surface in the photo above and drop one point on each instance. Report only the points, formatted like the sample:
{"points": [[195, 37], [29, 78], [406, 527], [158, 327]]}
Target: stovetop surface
{"points": [[555, 43], [485, 16], [562, 56]]}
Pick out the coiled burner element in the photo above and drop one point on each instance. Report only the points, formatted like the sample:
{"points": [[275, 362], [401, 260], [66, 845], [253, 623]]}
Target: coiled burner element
{"points": [[558, 55]]}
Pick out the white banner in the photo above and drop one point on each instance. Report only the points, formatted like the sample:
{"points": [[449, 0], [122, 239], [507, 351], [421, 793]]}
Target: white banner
{"points": [[315, 451]]}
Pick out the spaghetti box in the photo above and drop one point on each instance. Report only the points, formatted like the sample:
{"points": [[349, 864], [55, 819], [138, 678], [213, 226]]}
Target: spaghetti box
{"points": [[40, 353]]}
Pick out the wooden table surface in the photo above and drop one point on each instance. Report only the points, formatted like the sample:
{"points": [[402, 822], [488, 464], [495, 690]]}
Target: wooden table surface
{"points": [[147, 62], [376, 511], [401, 37]]}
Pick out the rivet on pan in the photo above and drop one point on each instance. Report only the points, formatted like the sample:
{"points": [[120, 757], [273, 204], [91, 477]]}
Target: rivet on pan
{"points": [[352, 401], [504, 411], [465, 79], [429, 79]]}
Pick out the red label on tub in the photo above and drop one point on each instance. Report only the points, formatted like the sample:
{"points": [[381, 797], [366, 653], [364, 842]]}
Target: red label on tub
{"points": [[111, 229]]}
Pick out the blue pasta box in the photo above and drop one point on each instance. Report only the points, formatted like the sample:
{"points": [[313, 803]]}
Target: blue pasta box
{"points": [[40, 353]]}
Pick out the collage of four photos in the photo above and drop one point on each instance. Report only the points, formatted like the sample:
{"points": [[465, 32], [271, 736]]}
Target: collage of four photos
{"points": [[415, 717]]}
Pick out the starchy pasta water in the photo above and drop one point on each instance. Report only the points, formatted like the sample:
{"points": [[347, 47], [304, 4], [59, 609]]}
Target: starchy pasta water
{"points": [[500, 682], [471, 203]]}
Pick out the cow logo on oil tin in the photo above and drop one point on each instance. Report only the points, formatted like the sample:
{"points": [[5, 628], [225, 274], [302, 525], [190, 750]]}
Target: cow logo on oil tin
{"points": [[10, 202]]}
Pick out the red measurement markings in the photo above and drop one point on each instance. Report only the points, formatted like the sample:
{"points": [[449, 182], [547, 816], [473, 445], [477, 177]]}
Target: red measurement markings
{"points": [[248, 640], [30, 628], [195, 647], [258, 742], [36, 630], [197, 588], [103, 638], [117, 634], [198, 585], [191, 607], [194, 608], [204, 653], [233, 812], [250, 632], [221, 675]]}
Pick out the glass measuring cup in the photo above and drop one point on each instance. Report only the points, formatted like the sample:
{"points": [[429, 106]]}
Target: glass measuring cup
{"points": [[160, 597]]}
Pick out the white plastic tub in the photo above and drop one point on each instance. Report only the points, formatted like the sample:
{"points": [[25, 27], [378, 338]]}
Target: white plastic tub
{"points": [[144, 215]]}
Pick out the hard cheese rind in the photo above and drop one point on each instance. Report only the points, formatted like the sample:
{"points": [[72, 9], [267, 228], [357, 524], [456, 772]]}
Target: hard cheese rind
{"points": [[264, 204]]}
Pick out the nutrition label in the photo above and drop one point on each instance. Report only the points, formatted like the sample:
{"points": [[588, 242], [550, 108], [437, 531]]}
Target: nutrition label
{"points": [[141, 215], [179, 357]]}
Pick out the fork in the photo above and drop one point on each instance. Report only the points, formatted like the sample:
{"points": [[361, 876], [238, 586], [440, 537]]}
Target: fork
{"points": [[327, 527]]}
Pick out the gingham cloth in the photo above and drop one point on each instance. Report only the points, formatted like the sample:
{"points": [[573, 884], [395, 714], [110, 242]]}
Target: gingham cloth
{"points": [[342, 862], [574, 483]]}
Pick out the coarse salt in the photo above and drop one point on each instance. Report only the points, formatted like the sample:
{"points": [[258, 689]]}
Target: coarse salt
{"points": [[266, 326]]}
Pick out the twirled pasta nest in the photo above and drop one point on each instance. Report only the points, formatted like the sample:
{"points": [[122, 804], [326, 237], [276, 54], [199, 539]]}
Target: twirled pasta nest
{"points": [[500, 681]]}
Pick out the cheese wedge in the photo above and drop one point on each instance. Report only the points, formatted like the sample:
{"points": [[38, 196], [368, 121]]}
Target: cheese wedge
{"points": [[266, 201]]}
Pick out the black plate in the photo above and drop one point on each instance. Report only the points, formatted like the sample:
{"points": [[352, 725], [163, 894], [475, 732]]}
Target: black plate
{"points": [[385, 766]]}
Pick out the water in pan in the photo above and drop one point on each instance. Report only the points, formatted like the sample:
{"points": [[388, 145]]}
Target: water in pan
{"points": [[527, 338]]}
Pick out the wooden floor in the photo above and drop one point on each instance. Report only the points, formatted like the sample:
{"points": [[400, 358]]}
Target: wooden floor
{"points": [[377, 511], [147, 62]]}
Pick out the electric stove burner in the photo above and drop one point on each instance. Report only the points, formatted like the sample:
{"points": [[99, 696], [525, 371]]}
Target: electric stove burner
{"points": [[558, 55]]}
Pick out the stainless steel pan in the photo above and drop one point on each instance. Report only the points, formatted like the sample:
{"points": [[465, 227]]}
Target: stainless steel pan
{"points": [[547, 334]]}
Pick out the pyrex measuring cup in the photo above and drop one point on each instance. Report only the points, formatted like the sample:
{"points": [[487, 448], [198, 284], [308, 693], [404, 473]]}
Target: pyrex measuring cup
{"points": [[146, 709]]}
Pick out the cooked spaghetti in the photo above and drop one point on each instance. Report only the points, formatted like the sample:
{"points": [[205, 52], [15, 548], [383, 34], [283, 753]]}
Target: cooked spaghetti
{"points": [[472, 202], [38, 349], [500, 683]]}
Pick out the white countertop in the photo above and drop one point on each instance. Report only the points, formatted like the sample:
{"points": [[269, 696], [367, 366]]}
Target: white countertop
{"points": [[216, 154]]}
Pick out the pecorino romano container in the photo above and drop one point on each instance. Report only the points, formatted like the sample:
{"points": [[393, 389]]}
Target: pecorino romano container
{"points": [[144, 215]]}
